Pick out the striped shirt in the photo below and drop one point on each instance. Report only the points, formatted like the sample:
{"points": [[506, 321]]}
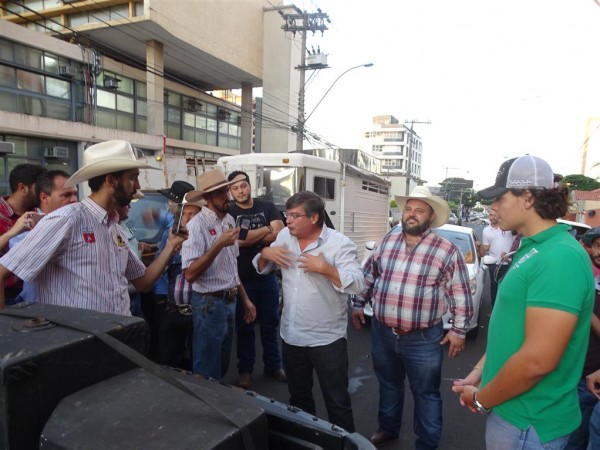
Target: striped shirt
{"points": [[204, 229], [7, 219], [413, 289], [79, 257]]}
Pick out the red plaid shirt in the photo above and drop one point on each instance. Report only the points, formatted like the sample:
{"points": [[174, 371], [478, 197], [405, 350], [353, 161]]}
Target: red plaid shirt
{"points": [[7, 220]]}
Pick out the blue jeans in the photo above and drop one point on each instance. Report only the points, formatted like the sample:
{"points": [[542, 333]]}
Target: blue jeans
{"points": [[501, 435], [594, 442], [213, 334], [587, 401], [330, 362], [263, 291], [417, 356]]}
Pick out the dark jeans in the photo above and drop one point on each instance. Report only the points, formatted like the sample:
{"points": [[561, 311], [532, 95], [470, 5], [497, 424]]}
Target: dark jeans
{"points": [[587, 401], [417, 356], [174, 348], [330, 362], [214, 320], [263, 291], [493, 282]]}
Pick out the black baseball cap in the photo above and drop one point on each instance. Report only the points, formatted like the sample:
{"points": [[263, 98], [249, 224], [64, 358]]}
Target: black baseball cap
{"points": [[524, 172]]}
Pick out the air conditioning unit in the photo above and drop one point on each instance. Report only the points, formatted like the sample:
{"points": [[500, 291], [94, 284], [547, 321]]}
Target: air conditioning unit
{"points": [[67, 71], [112, 83], [7, 147], [56, 152]]}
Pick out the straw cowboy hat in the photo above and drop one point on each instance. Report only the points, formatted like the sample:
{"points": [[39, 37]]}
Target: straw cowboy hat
{"points": [[200, 203], [209, 181], [438, 204], [106, 157], [177, 191]]}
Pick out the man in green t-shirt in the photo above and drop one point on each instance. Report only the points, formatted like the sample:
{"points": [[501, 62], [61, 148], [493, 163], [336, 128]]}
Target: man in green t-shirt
{"points": [[540, 325]]}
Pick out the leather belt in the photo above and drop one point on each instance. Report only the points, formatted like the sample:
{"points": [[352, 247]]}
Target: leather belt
{"points": [[228, 295], [398, 332]]}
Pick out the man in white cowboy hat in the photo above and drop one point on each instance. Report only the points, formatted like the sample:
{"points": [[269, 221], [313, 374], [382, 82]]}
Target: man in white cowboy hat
{"points": [[78, 253], [209, 261], [413, 277]]}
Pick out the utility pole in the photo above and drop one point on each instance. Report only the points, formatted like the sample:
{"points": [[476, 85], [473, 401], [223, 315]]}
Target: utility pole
{"points": [[409, 149], [303, 22]]}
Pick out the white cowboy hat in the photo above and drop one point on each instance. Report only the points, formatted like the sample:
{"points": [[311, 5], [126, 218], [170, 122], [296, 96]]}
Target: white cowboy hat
{"points": [[438, 204], [106, 157], [209, 181]]}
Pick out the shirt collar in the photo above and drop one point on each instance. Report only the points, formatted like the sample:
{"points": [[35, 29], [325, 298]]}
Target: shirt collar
{"points": [[103, 216], [6, 210], [547, 233]]}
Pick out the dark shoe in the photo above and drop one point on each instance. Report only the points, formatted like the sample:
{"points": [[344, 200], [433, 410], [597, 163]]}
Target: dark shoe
{"points": [[244, 380], [277, 374], [381, 438]]}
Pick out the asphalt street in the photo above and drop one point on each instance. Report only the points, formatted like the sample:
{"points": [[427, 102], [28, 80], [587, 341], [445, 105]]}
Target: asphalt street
{"points": [[462, 430]]}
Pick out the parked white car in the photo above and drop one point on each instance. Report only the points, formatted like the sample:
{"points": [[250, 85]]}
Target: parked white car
{"points": [[464, 239]]}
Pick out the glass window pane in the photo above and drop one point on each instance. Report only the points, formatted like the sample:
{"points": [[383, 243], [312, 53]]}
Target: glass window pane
{"points": [[126, 85], [201, 122], [8, 100], [189, 119], [233, 130], [142, 108], [119, 12], [211, 139], [141, 125], [125, 122], [174, 99], [6, 50], [7, 76], [106, 99], [58, 88], [173, 131], [125, 104], [211, 110], [223, 128], [34, 58], [76, 20], [174, 115], [107, 119], [200, 136], [31, 106], [141, 89], [99, 16], [211, 125], [188, 134], [50, 63], [30, 81], [58, 110]]}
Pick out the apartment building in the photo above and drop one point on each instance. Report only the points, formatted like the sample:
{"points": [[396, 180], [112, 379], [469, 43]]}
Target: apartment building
{"points": [[76, 72], [400, 150]]}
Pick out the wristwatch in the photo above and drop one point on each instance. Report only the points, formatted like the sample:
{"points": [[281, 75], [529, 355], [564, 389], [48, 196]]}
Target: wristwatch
{"points": [[482, 409]]}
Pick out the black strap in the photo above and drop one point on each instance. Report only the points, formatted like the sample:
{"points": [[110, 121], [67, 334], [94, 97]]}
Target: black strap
{"points": [[143, 362]]}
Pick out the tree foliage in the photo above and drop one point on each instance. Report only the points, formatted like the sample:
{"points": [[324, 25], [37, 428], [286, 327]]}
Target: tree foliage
{"points": [[578, 182]]}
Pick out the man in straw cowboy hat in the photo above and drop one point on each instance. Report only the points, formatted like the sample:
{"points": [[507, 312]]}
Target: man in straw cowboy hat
{"points": [[413, 277], [78, 254], [209, 261], [540, 325]]}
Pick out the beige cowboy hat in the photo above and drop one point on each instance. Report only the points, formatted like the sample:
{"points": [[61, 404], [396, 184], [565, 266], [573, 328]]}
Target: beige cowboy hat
{"points": [[209, 181], [200, 203], [438, 204], [106, 157]]}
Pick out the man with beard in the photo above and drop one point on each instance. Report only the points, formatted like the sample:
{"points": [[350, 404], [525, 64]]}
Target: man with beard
{"points": [[17, 215], [78, 254], [209, 261], [262, 223], [413, 277]]}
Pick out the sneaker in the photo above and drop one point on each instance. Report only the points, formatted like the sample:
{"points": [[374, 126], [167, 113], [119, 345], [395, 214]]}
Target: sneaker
{"points": [[277, 374], [244, 380]]}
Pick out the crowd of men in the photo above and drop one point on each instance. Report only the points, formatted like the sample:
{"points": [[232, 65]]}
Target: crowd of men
{"points": [[213, 277]]}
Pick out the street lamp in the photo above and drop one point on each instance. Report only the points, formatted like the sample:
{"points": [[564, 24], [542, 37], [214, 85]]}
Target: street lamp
{"points": [[302, 120]]}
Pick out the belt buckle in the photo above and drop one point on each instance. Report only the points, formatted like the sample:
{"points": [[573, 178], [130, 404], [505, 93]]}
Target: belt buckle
{"points": [[231, 294], [185, 310], [398, 332]]}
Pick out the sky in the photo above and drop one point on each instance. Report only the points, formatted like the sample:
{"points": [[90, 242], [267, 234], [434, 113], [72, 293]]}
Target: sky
{"points": [[496, 79]]}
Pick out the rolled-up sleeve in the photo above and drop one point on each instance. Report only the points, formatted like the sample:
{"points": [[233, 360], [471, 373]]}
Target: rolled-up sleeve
{"points": [[458, 295]]}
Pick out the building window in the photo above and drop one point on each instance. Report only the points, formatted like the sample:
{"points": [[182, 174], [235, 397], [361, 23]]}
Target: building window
{"points": [[324, 187]]}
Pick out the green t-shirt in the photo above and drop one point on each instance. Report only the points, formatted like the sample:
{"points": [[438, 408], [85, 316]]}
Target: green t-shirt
{"points": [[550, 270]]}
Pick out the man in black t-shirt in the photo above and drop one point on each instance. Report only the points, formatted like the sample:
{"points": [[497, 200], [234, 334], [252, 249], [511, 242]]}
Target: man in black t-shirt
{"points": [[260, 222]]}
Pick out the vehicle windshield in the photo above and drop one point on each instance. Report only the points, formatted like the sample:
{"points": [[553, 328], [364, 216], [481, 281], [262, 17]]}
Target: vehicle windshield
{"points": [[148, 217], [463, 241]]}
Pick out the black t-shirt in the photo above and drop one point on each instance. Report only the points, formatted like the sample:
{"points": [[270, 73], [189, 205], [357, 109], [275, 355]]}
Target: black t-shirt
{"points": [[260, 215], [592, 357]]}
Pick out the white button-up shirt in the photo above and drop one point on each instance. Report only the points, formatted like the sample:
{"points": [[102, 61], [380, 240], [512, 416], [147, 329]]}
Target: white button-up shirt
{"points": [[78, 257], [315, 311]]}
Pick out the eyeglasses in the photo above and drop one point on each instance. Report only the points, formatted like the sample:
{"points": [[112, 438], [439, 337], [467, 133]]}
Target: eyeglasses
{"points": [[499, 273], [293, 216]]}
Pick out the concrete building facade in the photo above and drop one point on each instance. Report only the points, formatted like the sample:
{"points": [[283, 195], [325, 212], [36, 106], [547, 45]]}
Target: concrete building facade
{"points": [[76, 72]]}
